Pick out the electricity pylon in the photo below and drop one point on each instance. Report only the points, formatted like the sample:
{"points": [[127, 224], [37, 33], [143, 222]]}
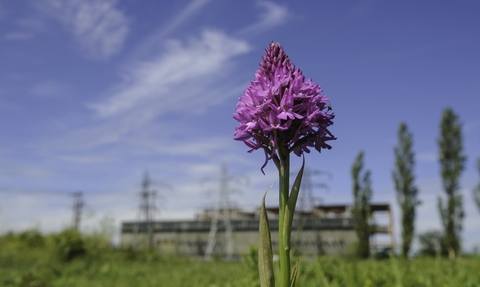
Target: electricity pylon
{"points": [[78, 204], [223, 204], [306, 191], [147, 209]]}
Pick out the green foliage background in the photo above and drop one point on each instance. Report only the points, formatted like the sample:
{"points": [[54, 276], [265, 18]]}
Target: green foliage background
{"points": [[452, 163], [362, 195], [404, 179], [30, 259]]}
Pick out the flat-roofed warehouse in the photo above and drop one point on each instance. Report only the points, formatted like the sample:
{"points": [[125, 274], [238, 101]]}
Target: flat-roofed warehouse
{"points": [[326, 229]]}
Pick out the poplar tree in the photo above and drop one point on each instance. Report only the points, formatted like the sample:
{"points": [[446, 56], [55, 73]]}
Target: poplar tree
{"points": [[362, 194], [451, 165], [476, 191], [407, 192]]}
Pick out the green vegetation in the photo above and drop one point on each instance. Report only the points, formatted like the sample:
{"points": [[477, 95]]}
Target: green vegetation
{"points": [[431, 243], [362, 195], [452, 163], [32, 260], [476, 191], [407, 192], [70, 259]]}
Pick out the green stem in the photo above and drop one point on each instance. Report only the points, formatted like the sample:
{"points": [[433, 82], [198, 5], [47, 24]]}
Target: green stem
{"points": [[284, 235]]}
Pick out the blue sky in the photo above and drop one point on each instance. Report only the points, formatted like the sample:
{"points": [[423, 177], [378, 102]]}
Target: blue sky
{"points": [[94, 93]]}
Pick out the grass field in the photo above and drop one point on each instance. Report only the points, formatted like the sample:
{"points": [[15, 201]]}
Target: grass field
{"points": [[41, 262]]}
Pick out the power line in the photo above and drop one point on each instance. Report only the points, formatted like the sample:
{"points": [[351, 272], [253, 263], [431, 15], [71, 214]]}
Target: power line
{"points": [[222, 212]]}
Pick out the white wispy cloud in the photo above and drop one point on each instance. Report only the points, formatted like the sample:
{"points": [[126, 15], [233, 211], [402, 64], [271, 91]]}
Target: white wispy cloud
{"points": [[25, 171], [50, 89], [177, 20], [98, 26], [32, 24], [209, 146], [99, 133], [26, 29], [18, 36], [175, 80], [273, 15], [183, 16], [186, 77], [87, 159]]}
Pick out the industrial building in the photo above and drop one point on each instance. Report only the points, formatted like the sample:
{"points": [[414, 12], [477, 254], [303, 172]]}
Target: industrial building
{"points": [[326, 229]]}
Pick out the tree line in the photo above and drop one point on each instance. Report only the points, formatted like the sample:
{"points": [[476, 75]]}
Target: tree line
{"points": [[450, 206]]}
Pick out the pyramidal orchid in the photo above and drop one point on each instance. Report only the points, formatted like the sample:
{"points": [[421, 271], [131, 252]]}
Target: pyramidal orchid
{"points": [[280, 112]]}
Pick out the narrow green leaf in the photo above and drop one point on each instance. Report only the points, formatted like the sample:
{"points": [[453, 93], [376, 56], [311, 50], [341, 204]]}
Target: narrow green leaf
{"points": [[294, 274], [290, 212], [265, 253], [292, 200]]}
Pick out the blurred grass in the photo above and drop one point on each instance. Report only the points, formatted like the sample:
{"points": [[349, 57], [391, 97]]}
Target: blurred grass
{"points": [[332, 271], [28, 260]]}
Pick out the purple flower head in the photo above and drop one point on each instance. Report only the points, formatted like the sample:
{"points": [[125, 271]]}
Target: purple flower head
{"points": [[280, 110]]}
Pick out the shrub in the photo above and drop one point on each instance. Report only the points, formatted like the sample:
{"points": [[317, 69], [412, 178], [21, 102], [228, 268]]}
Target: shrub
{"points": [[431, 243], [69, 245], [32, 238]]}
